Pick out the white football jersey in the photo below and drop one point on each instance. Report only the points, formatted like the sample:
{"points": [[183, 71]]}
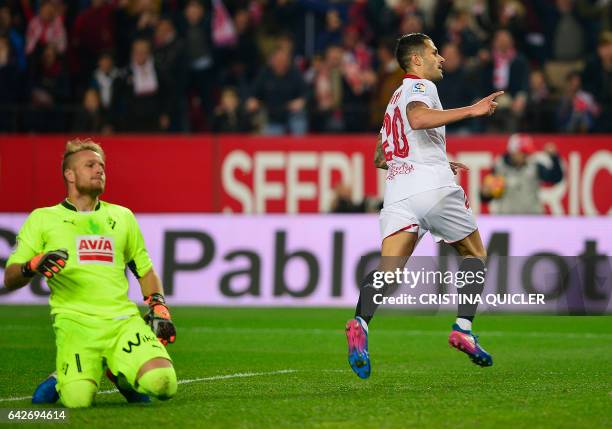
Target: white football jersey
{"points": [[416, 158]]}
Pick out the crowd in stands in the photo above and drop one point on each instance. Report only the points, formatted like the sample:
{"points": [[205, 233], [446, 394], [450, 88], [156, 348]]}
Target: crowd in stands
{"points": [[296, 66]]}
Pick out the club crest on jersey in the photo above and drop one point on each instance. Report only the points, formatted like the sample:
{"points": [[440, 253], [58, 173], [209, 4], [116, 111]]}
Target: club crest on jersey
{"points": [[418, 88], [95, 249]]}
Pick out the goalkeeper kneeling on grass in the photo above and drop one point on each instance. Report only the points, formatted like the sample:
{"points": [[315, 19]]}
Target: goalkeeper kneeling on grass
{"points": [[82, 246]]}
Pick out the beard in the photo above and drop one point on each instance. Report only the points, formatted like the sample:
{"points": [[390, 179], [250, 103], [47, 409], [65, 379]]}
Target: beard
{"points": [[437, 75], [93, 189]]}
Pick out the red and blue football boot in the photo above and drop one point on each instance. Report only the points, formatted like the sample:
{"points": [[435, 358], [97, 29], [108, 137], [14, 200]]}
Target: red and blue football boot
{"points": [[358, 356], [467, 342]]}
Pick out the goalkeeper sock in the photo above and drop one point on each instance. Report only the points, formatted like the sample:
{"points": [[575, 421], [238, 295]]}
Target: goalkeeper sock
{"points": [[158, 382]]}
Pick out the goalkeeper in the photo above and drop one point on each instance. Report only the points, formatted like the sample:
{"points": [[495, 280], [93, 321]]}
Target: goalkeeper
{"points": [[82, 247]]}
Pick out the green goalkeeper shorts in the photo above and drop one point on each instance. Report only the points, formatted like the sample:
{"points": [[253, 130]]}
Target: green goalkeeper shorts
{"points": [[85, 345]]}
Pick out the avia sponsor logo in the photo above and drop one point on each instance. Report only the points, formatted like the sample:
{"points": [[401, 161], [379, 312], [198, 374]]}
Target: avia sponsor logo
{"points": [[95, 249]]}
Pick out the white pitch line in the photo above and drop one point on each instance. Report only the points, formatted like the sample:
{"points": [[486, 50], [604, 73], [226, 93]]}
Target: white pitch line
{"points": [[408, 332], [188, 381], [382, 332], [21, 398]]}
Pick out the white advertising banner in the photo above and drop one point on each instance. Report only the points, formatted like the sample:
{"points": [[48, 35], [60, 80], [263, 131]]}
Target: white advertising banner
{"points": [[319, 260]]}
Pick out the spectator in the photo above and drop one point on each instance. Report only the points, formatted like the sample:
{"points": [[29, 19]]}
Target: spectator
{"points": [[135, 19], [514, 187], [15, 38], [329, 87], [565, 33], [90, 118], [93, 33], [332, 34], [9, 85], [193, 69], [389, 77], [246, 53], [392, 18], [46, 28], [462, 32], [141, 97], [280, 17], [505, 69], [512, 17], [540, 110], [360, 19], [577, 108], [196, 30], [356, 50], [411, 23], [49, 79], [455, 89], [169, 54], [50, 87], [280, 90], [597, 78], [360, 77], [243, 60], [343, 201], [103, 81], [230, 115]]}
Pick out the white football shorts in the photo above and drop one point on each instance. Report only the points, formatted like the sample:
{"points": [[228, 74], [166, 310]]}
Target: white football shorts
{"points": [[444, 212]]}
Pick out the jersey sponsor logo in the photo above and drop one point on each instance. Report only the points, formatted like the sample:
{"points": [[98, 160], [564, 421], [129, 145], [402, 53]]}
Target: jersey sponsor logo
{"points": [[418, 88], [130, 344], [95, 249], [145, 339], [395, 169]]}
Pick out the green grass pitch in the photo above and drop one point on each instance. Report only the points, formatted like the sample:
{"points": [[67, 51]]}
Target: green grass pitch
{"points": [[286, 368]]}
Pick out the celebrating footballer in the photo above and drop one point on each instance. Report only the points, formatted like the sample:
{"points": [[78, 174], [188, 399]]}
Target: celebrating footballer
{"points": [[422, 195]]}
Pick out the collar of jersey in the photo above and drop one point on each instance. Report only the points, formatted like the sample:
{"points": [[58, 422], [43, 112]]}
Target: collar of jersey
{"points": [[69, 206], [411, 76]]}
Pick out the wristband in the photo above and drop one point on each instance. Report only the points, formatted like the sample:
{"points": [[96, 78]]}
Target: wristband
{"points": [[26, 271]]}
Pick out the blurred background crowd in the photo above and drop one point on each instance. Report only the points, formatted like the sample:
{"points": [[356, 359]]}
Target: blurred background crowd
{"points": [[296, 66]]}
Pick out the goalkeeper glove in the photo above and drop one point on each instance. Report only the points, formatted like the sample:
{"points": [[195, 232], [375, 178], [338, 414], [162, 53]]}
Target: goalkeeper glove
{"points": [[158, 318], [48, 264]]}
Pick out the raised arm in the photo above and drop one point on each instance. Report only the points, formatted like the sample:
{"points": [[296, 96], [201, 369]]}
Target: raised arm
{"points": [[422, 117]]}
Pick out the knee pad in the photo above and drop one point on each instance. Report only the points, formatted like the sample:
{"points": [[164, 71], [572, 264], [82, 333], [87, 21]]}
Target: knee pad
{"points": [[158, 382], [78, 394]]}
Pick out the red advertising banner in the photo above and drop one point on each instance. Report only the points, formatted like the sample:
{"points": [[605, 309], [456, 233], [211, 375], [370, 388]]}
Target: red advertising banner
{"points": [[264, 175], [145, 173], [247, 174], [295, 175]]}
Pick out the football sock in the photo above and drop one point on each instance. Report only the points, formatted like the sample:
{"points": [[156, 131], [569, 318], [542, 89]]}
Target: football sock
{"points": [[464, 323], [474, 271], [158, 382], [366, 307]]}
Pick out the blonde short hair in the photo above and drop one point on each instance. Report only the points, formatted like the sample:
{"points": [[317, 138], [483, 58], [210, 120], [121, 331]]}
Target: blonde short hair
{"points": [[78, 145]]}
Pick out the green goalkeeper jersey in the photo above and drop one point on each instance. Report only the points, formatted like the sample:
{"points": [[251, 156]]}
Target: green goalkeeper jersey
{"points": [[100, 245]]}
